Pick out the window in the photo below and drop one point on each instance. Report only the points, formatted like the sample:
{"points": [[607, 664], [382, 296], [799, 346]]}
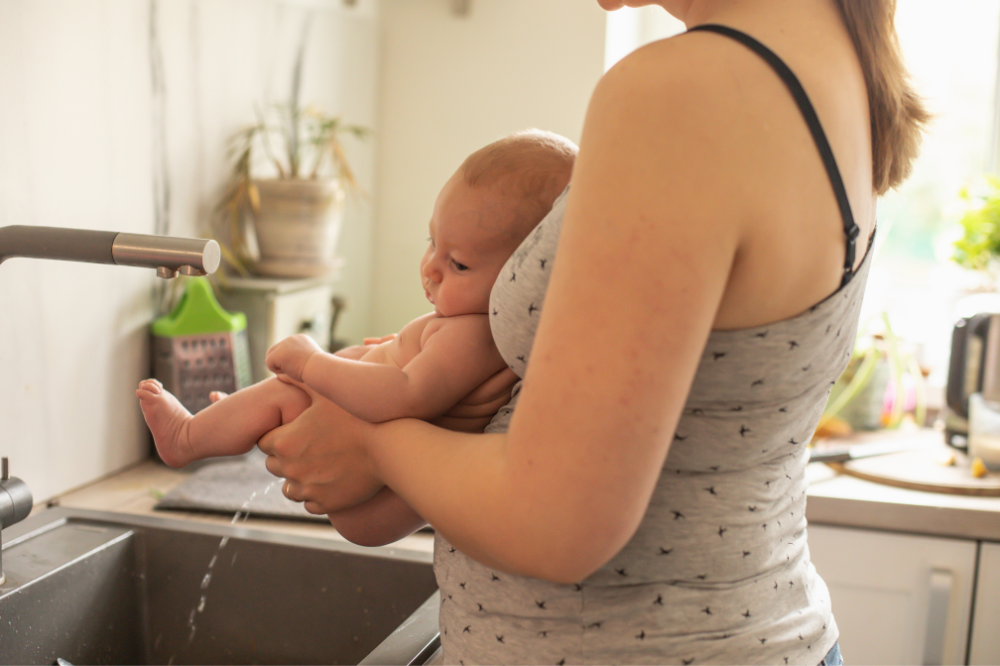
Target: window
{"points": [[952, 57]]}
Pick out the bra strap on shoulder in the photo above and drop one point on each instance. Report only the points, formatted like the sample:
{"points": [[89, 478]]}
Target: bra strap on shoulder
{"points": [[851, 229]]}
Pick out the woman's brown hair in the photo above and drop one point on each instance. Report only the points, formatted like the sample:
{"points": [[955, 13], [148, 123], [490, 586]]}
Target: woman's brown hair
{"points": [[897, 113]]}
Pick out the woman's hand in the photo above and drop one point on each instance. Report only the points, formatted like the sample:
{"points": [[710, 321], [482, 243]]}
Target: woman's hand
{"points": [[289, 357], [324, 456]]}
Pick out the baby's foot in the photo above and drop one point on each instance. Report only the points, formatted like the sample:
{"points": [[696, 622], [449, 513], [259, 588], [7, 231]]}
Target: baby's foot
{"points": [[168, 421]]}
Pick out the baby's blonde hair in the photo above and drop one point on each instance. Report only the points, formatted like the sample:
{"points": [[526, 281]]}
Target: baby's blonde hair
{"points": [[532, 167]]}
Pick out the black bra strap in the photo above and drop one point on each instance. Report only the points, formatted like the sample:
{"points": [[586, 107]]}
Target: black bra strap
{"points": [[851, 230]]}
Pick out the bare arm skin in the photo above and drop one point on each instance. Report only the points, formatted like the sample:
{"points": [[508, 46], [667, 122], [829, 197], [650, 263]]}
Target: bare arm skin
{"points": [[386, 518], [451, 357], [695, 193]]}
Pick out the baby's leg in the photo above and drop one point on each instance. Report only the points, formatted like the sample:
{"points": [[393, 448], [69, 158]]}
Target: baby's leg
{"points": [[228, 427]]}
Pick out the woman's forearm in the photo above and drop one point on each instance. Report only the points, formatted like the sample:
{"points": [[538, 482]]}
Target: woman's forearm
{"points": [[462, 485]]}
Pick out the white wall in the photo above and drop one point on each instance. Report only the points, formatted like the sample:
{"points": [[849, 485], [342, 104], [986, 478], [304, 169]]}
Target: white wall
{"points": [[114, 115], [629, 28], [452, 84]]}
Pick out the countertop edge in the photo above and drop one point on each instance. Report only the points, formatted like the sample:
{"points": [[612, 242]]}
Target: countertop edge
{"points": [[918, 519]]}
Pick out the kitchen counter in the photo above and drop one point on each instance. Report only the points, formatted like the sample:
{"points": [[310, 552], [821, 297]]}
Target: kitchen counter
{"points": [[848, 501], [834, 499], [137, 489], [837, 499]]}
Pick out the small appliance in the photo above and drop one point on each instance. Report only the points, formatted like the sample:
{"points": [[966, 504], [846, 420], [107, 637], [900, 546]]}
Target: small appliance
{"points": [[974, 368]]}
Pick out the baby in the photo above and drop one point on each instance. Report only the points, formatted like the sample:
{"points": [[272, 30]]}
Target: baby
{"points": [[484, 211]]}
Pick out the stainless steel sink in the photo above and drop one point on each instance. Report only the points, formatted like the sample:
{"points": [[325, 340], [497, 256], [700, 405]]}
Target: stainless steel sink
{"points": [[105, 588]]}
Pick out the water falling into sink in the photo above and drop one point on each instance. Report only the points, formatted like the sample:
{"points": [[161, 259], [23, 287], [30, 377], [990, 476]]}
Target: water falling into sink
{"points": [[241, 516]]}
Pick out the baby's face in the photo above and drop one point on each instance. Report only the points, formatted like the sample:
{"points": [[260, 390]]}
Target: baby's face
{"points": [[466, 250]]}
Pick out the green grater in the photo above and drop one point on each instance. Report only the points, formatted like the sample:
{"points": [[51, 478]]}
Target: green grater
{"points": [[199, 347]]}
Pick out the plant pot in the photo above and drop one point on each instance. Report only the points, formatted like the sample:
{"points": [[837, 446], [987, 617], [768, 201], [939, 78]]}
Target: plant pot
{"points": [[297, 226]]}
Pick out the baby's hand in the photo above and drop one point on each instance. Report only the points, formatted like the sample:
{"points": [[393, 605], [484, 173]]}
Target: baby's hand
{"points": [[289, 357]]}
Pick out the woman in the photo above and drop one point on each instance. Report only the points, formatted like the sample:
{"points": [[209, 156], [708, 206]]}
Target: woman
{"points": [[644, 501]]}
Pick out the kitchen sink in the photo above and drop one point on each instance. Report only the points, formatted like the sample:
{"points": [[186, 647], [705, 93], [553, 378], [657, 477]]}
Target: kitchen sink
{"points": [[94, 587]]}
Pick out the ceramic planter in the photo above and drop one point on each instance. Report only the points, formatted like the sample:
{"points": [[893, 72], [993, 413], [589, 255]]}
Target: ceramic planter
{"points": [[298, 226]]}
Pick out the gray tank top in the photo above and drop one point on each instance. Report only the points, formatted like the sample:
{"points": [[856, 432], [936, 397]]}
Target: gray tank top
{"points": [[718, 570]]}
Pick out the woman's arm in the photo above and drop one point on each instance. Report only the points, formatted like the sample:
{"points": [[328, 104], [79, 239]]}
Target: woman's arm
{"points": [[651, 231]]}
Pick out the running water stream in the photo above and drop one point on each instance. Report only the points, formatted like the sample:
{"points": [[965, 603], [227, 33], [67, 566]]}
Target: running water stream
{"points": [[240, 517]]}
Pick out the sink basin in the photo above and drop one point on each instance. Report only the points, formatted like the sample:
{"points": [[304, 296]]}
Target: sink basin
{"points": [[96, 587]]}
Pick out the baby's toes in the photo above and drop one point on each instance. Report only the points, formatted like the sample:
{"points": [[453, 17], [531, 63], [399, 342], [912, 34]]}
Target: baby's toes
{"points": [[151, 386], [149, 392]]}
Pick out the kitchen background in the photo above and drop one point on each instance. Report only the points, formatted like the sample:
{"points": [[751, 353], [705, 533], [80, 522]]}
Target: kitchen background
{"points": [[116, 115]]}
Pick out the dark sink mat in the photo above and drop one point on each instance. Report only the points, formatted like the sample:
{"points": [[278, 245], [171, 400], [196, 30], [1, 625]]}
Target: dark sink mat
{"points": [[226, 486]]}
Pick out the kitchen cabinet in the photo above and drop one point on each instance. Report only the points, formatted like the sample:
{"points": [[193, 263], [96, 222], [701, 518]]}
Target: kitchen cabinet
{"points": [[900, 598], [984, 646]]}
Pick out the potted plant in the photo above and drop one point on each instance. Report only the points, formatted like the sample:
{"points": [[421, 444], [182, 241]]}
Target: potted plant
{"points": [[882, 384], [979, 245], [287, 224]]}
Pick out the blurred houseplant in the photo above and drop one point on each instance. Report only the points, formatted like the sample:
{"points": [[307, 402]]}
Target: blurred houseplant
{"points": [[287, 224], [882, 384], [978, 248]]}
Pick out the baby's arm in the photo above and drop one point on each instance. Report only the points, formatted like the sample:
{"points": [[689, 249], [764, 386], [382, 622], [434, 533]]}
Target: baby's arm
{"points": [[456, 355]]}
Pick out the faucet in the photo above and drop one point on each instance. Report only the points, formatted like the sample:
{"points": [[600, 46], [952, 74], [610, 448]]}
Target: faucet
{"points": [[167, 254], [15, 504]]}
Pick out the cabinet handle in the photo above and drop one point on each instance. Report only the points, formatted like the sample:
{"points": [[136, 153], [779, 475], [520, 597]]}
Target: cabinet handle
{"points": [[940, 584]]}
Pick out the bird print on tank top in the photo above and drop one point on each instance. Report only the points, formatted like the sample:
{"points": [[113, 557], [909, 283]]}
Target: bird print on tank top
{"points": [[718, 570]]}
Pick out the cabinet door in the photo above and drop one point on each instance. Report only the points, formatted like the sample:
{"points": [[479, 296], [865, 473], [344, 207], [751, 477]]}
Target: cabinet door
{"points": [[985, 644], [897, 599]]}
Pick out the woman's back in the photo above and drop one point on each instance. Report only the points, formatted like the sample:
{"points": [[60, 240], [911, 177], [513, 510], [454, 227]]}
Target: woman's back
{"points": [[750, 149]]}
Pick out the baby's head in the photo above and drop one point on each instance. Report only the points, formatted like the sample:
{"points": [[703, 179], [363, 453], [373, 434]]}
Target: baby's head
{"points": [[484, 211]]}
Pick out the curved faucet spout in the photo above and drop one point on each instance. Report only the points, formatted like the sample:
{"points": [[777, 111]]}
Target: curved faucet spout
{"points": [[166, 254]]}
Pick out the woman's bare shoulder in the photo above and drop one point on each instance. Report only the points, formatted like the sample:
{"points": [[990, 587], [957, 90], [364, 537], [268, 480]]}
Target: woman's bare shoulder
{"points": [[694, 60], [671, 111], [679, 86]]}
